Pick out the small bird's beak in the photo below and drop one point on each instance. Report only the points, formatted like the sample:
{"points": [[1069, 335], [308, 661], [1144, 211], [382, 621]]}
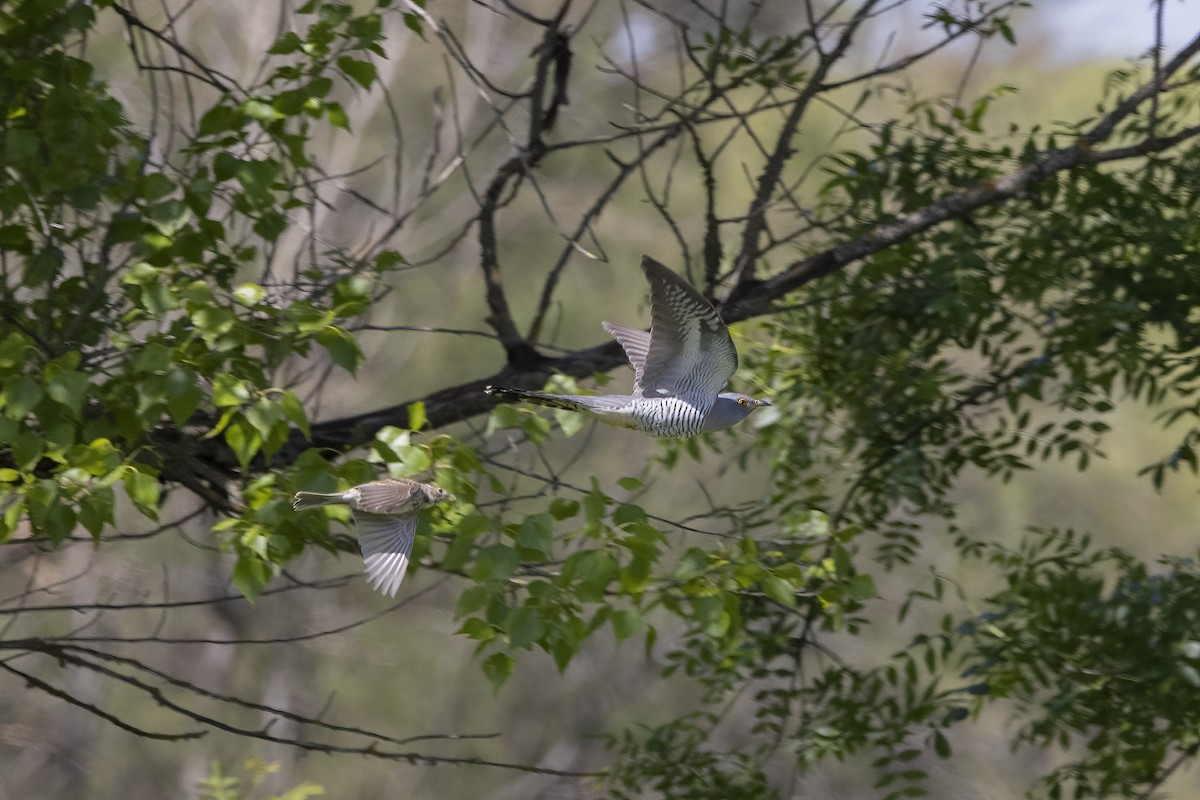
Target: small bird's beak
{"points": [[762, 402]]}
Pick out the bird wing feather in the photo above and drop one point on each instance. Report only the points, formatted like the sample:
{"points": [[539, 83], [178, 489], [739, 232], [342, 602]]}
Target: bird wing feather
{"points": [[690, 349], [637, 346], [386, 542]]}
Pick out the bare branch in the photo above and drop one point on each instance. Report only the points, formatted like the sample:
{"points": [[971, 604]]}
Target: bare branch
{"points": [[66, 697]]}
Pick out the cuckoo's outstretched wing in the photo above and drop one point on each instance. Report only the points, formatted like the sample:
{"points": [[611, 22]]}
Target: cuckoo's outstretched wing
{"points": [[386, 541], [690, 353], [637, 346]]}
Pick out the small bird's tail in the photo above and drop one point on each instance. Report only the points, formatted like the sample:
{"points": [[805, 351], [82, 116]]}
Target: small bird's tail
{"points": [[306, 500], [569, 402]]}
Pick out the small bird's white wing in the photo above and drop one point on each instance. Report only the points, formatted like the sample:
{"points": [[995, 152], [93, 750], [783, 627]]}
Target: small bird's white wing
{"points": [[690, 353], [386, 542], [637, 347]]}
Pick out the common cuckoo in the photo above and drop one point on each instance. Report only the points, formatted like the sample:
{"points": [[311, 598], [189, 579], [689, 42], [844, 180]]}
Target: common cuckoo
{"points": [[680, 368], [385, 513]]}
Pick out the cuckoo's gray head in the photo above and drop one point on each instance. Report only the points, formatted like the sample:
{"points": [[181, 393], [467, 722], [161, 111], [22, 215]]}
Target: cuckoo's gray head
{"points": [[730, 409]]}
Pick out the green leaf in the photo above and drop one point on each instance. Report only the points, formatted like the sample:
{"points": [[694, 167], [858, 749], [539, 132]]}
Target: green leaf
{"points": [[229, 390], [15, 239], [536, 536], [413, 23], [144, 490], [169, 217], [42, 266], [257, 177], [342, 346], [504, 417], [212, 321], [471, 600], [67, 388], [536, 428], [243, 439], [589, 573], [14, 512], [570, 422], [389, 441], [524, 627], [416, 416], [153, 358], [14, 350], [262, 416], [48, 514], [302, 791], [21, 395], [293, 409], [270, 224], [96, 511], [27, 448], [495, 563], [630, 484], [219, 119], [336, 114], [561, 508], [498, 667], [478, 629], [362, 72], [249, 294], [183, 396], [779, 590], [225, 165], [96, 458], [289, 42], [627, 513], [415, 459], [251, 575], [264, 112], [626, 623], [458, 553], [862, 587], [564, 647]]}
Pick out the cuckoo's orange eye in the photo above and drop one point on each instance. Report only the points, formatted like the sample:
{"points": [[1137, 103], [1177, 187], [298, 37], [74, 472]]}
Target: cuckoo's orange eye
{"points": [[742, 401]]}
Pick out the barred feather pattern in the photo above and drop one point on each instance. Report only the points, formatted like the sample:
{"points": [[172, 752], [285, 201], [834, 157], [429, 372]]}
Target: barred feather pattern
{"points": [[671, 417], [680, 368]]}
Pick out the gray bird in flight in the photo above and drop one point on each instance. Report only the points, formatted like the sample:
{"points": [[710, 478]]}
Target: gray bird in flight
{"points": [[680, 368], [385, 513]]}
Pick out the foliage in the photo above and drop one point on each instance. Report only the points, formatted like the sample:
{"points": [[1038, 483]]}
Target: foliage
{"points": [[219, 786], [1114, 683], [136, 300], [934, 301]]}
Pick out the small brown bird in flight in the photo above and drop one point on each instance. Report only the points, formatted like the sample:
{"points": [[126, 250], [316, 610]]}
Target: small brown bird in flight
{"points": [[385, 514]]}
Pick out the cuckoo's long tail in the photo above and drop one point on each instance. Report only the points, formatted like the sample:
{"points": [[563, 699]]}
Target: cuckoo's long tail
{"points": [[541, 398], [306, 500]]}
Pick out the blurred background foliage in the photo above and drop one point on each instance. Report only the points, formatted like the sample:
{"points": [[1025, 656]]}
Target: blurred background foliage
{"points": [[254, 248]]}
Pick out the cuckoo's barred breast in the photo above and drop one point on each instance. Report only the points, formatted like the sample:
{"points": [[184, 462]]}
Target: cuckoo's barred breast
{"points": [[670, 417]]}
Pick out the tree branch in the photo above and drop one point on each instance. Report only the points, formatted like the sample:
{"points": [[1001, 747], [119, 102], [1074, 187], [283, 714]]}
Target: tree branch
{"points": [[756, 222], [466, 400]]}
